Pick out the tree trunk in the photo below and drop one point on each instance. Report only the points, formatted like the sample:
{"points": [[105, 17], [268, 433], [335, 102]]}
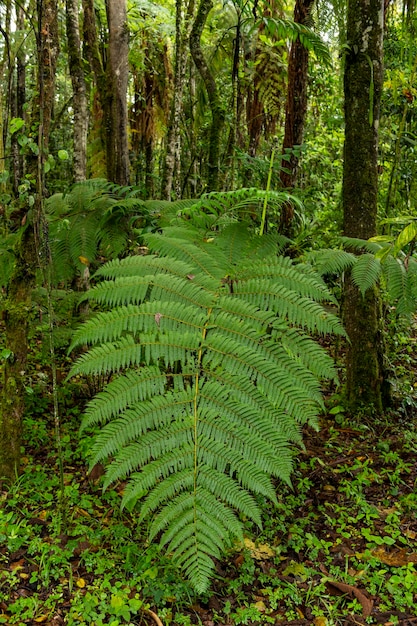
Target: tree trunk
{"points": [[296, 109], [100, 110], [171, 178], [29, 253], [79, 90], [18, 102], [217, 113], [118, 166], [365, 384]]}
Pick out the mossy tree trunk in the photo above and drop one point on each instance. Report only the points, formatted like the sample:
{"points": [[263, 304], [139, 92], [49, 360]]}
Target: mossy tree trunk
{"points": [[217, 112], [117, 151], [29, 252], [80, 104], [171, 177], [365, 383], [17, 104], [295, 111]]}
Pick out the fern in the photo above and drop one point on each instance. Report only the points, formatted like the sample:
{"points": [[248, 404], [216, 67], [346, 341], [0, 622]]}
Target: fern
{"points": [[213, 378], [366, 272], [377, 261]]}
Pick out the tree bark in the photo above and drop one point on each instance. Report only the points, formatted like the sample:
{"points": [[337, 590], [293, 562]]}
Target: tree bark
{"points": [[29, 253], [365, 383], [18, 102], [217, 112], [118, 166], [171, 178], [80, 104], [295, 112]]}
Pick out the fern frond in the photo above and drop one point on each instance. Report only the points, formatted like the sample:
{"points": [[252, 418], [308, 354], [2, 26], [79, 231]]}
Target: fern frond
{"points": [[288, 29], [361, 245], [395, 275], [366, 272], [331, 261], [213, 377]]}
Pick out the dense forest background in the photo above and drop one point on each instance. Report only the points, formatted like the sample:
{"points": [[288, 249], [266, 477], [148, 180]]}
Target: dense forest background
{"points": [[209, 283]]}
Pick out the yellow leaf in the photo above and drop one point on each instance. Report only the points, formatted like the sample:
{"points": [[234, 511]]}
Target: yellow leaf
{"points": [[300, 613], [84, 260], [260, 606], [23, 575], [259, 552], [320, 621], [80, 583], [41, 618]]}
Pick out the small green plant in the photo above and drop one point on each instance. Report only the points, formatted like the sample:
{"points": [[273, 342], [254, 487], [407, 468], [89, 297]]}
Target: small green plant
{"points": [[214, 375]]}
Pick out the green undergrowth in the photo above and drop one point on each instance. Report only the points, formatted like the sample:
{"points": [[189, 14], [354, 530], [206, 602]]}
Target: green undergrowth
{"points": [[339, 548]]}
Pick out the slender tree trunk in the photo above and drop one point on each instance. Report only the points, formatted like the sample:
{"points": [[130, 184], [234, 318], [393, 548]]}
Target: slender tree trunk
{"points": [[217, 112], [18, 102], [118, 166], [100, 110], [80, 104], [365, 384], [296, 109], [171, 177], [29, 252]]}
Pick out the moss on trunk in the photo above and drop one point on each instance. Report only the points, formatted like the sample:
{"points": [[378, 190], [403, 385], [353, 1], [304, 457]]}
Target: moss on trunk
{"points": [[365, 382]]}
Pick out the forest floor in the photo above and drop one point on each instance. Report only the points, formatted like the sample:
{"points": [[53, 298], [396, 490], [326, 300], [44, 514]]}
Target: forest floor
{"points": [[339, 549]]}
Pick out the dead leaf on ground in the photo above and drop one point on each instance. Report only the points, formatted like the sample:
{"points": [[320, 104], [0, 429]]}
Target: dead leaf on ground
{"points": [[365, 602], [260, 551], [398, 558]]}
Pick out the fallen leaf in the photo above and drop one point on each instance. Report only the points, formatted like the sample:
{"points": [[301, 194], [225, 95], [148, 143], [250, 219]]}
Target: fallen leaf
{"points": [[41, 618], [365, 602], [398, 558], [320, 621], [84, 260], [260, 551], [80, 583], [260, 606]]}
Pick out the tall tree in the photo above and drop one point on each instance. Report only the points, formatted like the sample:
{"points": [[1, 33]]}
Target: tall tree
{"points": [[30, 251], [171, 179], [216, 106], [296, 107], [117, 80], [17, 104], [362, 85], [80, 103]]}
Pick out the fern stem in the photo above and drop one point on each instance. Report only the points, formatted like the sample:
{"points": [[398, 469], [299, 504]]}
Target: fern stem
{"points": [[268, 187], [195, 402]]}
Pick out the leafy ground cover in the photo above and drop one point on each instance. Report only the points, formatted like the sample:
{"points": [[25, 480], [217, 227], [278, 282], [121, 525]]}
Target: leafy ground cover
{"points": [[341, 547]]}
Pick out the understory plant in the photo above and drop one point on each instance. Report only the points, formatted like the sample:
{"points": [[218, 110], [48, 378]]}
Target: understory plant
{"points": [[206, 337]]}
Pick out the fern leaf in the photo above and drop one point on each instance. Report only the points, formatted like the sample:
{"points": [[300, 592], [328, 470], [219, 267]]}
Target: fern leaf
{"points": [[366, 272], [213, 377], [331, 261]]}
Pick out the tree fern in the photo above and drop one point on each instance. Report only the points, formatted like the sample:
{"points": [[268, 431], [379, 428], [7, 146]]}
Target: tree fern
{"points": [[213, 377]]}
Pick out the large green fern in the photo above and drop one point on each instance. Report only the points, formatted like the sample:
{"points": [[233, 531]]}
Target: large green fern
{"points": [[214, 374]]}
